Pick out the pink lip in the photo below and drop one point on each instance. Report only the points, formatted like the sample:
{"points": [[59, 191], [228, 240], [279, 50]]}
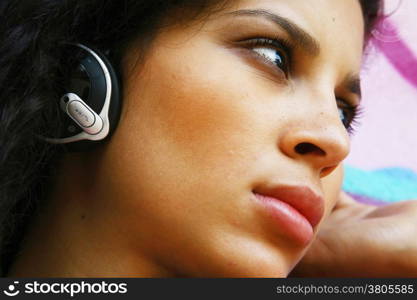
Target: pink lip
{"points": [[295, 209]]}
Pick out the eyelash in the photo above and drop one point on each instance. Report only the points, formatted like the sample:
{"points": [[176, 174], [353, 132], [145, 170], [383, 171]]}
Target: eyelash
{"points": [[354, 113], [285, 50]]}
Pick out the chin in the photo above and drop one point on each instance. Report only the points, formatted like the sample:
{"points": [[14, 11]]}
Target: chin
{"points": [[252, 259]]}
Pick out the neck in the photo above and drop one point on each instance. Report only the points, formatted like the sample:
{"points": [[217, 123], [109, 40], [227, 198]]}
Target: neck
{"points": [[78, 234]]}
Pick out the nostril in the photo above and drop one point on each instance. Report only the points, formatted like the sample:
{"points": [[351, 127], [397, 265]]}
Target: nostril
{"points": [[308, 148]]}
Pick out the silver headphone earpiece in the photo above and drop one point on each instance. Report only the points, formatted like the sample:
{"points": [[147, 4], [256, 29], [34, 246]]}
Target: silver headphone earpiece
{"points": [[92, 102], [89, 121]]}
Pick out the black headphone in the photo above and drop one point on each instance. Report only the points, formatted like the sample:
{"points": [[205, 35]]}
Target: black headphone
{"points": [[90, 107]]}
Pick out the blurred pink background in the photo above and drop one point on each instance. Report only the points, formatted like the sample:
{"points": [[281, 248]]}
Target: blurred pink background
{"points": [[387, 132]]}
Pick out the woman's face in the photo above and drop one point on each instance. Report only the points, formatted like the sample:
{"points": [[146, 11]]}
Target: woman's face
{"points": [[249, 102]]}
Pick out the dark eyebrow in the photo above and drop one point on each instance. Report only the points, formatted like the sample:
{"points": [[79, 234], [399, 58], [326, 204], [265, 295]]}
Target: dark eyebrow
{"points": [[353, 84], [299, 35], [302, 39]]}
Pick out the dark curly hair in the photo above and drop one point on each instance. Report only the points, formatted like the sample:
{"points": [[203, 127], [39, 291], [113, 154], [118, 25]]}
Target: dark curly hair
{"points": [[31, 56]]}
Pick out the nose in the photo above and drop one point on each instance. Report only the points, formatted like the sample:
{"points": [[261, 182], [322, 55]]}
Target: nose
{"points": [[322, 142]]}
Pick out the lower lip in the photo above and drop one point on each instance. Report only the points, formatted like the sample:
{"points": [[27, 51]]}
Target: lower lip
{"points": [[290, 222]]}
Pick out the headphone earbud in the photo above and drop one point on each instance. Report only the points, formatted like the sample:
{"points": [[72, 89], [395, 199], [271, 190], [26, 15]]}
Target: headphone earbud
{"points": [[82, 114], [91, 104]]}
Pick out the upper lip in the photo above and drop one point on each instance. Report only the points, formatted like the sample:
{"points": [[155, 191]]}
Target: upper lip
{"points": [[302, 198]]}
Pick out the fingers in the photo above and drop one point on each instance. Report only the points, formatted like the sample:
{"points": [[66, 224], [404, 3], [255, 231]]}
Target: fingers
{"points": [[398, 209]]}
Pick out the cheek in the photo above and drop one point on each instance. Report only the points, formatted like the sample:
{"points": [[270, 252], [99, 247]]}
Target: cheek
{"points": [[190, 139], [200, 116]]}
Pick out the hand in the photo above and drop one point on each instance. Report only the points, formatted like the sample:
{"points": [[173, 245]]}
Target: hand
{"points": [[359, 240]]}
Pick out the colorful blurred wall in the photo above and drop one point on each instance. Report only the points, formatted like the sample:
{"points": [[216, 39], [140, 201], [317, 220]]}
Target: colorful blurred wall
{"points": [[387, 133]]}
